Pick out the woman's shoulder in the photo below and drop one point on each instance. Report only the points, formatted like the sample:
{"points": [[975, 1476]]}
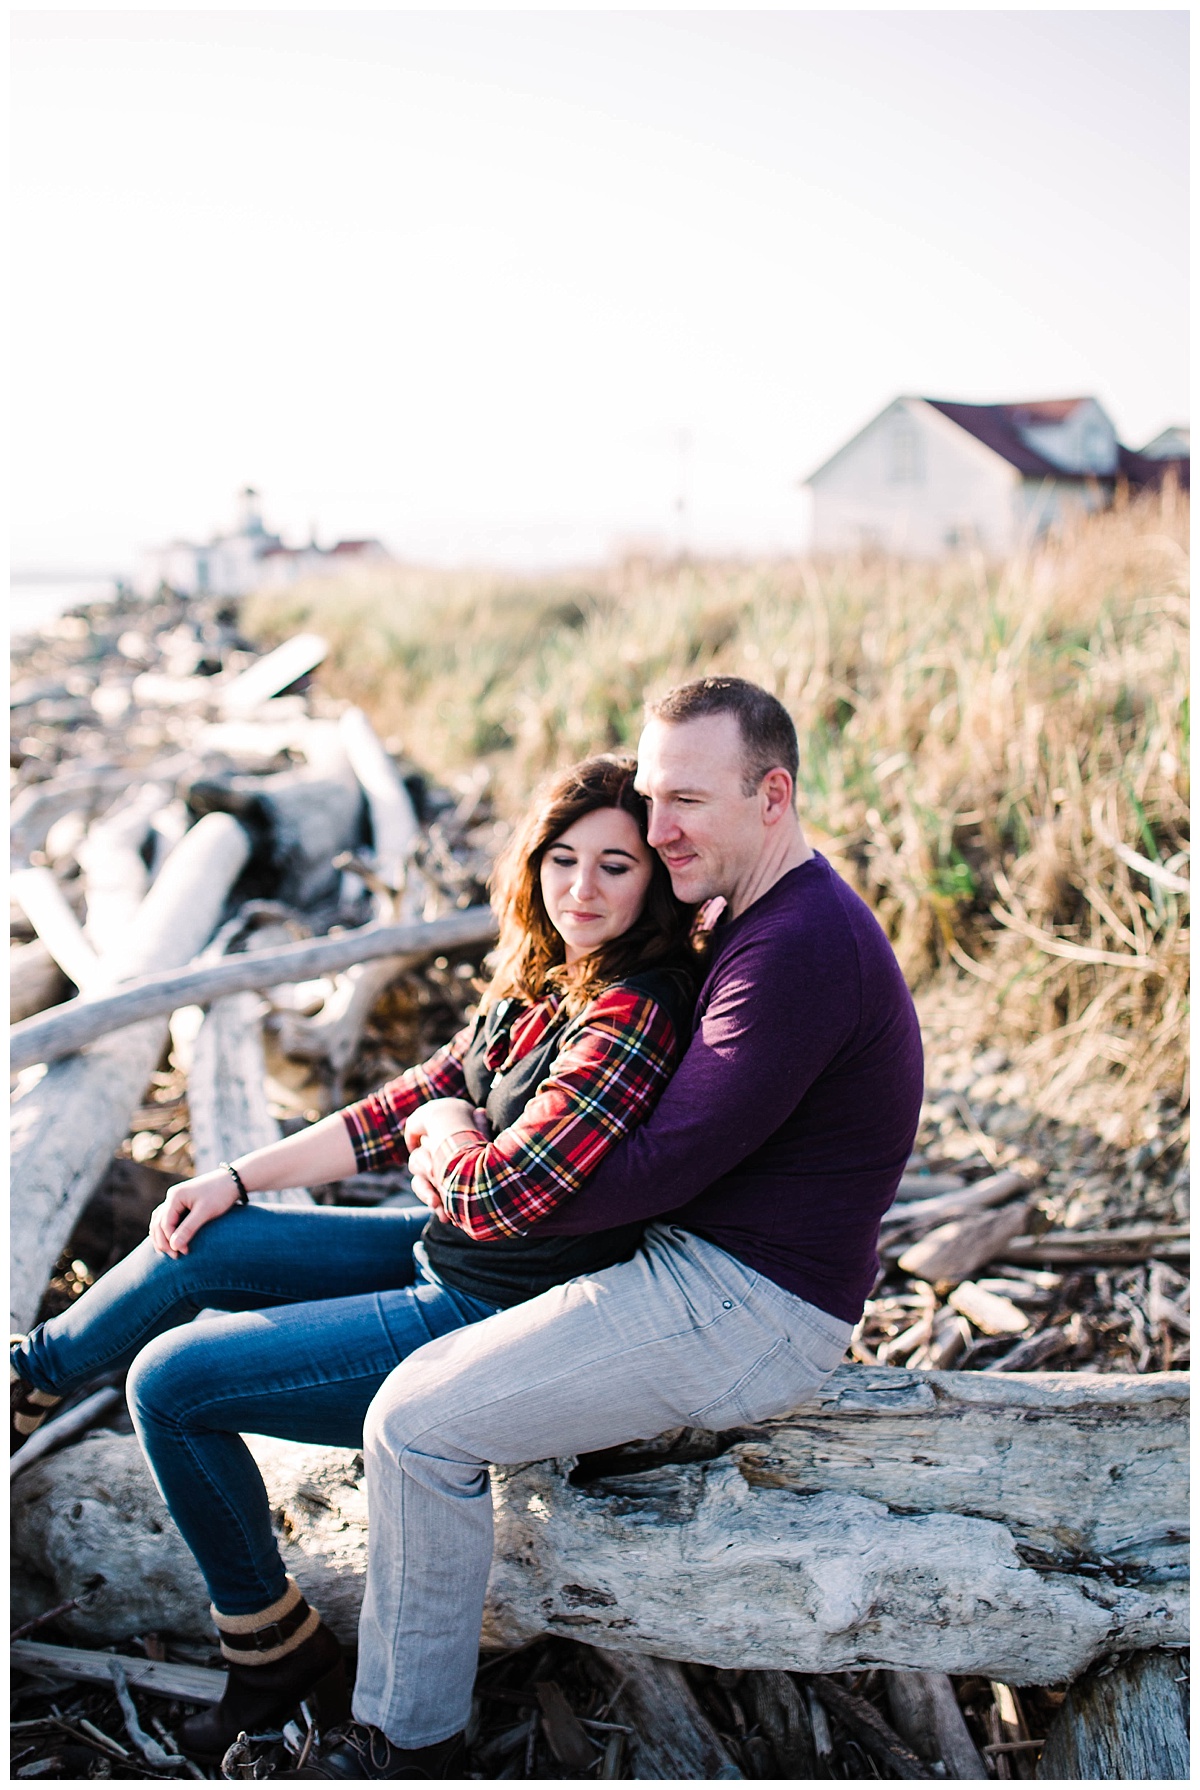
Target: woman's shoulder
{"points": [[669, 987]]}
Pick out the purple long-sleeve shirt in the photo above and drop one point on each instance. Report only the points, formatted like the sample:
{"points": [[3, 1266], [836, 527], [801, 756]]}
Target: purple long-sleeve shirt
{"points": [[783, 1133]]}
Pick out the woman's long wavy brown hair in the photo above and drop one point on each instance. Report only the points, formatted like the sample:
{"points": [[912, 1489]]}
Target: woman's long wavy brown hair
{"points": [[530, 957]]}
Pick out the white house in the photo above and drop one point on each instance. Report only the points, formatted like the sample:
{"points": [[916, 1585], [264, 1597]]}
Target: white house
{"points": [[232, 565], [927, 476]]}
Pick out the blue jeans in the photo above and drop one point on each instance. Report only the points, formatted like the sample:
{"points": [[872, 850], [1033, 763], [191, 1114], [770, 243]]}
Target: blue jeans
{"points": [[318, 1308]]}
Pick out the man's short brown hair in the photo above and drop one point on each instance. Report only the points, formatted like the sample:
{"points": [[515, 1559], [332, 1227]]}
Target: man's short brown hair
{"points": [[768, 736]]}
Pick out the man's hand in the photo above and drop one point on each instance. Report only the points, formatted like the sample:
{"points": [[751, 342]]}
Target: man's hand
{"points": [[187, 1207]]}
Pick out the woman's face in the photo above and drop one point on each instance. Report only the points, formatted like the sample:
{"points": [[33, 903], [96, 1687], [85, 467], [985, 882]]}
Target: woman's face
{"points": [[594, 879]]}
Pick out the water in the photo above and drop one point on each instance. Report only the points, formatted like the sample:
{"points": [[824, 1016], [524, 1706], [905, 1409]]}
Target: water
{"points": [[34, 602]]}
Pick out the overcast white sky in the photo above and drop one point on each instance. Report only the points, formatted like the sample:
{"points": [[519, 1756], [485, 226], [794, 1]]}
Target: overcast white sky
{"points": [[502, 286]]}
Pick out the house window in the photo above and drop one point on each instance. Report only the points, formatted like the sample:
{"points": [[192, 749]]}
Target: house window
{"points": [[905, 461]]}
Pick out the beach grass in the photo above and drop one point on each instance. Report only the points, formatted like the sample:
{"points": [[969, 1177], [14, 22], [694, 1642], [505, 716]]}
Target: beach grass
{"points": [[995, 753]]}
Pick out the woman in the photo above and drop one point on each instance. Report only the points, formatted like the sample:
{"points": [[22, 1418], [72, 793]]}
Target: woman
{"points": [[577, 1033]]}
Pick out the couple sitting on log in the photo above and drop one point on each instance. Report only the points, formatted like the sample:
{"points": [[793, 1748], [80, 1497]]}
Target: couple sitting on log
{"points": [[656, 1174]]}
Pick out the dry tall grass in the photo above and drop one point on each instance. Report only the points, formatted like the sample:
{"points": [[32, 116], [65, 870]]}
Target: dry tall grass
{"points": [[996, 753]]}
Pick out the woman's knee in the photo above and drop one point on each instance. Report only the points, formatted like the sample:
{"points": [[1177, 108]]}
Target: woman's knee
{"points": [[163, 1374]]}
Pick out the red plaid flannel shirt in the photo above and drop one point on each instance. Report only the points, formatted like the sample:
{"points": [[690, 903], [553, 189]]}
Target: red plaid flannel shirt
{"points": [[613, 1062]]}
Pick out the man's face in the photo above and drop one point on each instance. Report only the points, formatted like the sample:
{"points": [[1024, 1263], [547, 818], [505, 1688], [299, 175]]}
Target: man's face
{"points": [[708, 833]]}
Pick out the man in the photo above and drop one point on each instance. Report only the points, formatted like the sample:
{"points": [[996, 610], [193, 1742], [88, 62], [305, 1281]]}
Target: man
{"points": [[765, 1169]]}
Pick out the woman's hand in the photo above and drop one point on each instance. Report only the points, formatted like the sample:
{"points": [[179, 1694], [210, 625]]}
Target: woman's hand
{"points": [[429, 1127], [437, 1120], [187, 1207]]}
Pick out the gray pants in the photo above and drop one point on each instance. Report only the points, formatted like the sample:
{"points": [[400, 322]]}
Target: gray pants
{"points": [[682, 1334]]}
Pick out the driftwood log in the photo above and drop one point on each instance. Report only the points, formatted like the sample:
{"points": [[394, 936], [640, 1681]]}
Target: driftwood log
{"points": [[937, 1522], [926, 1714], [67, 1124], [39, 895], [1127, 1721], [333, 1034], [116, 874], [227, 1099], [48, 1036], [35, 980], [299, 819]]}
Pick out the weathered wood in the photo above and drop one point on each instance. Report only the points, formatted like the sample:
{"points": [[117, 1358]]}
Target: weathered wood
{"points": [[192, 1684], [1133, 1243], [333, 1034], [989, 1312], [954, 1251], [869, 1728], [35, 810], [1033, 1351], [928, 1522], [1127, 1723], [961, 1202], [672, 1737], [272, 673], [782, 1714], [35, 980], [926, 1713], [115, 873], [39, 894], [67, 1124], [49, 1036], [227, 1097], [394, 824]]}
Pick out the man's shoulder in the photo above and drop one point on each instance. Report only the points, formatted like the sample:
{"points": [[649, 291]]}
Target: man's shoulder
{"points": [[810, 909]]}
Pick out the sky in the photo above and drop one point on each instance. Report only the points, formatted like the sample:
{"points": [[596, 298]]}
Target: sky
{"points": [[533, 288]]}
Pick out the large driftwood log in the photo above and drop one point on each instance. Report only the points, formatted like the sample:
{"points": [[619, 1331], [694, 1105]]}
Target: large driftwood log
{"points": [[115, 873], [333, 1034], [39, 895], [48, 1036], [67, 1124], [299, 819], [922, 1522], [1127, 1722]]}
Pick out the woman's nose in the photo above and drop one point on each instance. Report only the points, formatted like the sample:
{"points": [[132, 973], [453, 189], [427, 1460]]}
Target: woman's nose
{"points": [[584, 884]]}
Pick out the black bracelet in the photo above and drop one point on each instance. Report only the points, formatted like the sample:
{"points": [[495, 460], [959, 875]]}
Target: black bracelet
{"points": [[243, 1198]]}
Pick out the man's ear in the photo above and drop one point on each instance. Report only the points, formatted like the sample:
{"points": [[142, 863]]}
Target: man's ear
{"points": [[775, 792]]}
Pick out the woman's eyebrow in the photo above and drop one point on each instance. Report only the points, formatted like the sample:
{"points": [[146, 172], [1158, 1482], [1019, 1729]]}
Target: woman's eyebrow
{"points": [[618, 851]]}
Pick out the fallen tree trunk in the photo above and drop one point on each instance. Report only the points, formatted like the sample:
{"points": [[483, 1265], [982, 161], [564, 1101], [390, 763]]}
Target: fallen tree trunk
{"points": [[49, 1036], [923, 1522], [67, 1125]]}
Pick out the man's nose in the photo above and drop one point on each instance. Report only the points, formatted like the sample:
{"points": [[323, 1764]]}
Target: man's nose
{"points": [[662, 828]]}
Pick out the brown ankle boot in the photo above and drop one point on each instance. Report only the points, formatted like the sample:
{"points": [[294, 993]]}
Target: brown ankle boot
{"points": [[28, 1406], [278, 1658]]}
